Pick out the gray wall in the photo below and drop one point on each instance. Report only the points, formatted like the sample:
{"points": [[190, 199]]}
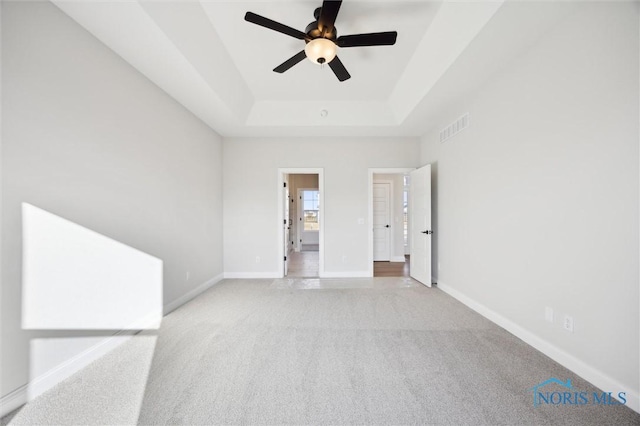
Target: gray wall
{"points": [[87, 138], [251, 206], [537, 201]]}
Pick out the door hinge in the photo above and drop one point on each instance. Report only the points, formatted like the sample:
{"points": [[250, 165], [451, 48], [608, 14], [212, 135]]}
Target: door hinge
{"points": [[285, 221], [285, 258], [285, 184]]}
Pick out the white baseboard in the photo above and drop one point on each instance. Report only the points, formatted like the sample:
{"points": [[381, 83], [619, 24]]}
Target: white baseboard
{"points": [[57, 374], [62, 371], [397, 259], [582, 369], [251, 275], [13, 400], [347, 274], [172, 306]]}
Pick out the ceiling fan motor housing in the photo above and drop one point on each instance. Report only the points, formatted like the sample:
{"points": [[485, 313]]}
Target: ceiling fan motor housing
{"points": [[314, 31]]}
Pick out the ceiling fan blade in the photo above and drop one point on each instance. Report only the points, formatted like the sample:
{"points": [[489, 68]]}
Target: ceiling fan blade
{"points": [[339, 70], [273, 25], [328, 14], [290, 62], [370, 39]]}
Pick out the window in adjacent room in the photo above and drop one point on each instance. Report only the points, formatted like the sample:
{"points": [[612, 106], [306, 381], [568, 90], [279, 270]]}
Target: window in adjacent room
{"points": [[311, 207]]}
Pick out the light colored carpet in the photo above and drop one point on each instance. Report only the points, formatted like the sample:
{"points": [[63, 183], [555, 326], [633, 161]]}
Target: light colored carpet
{"points": [[362, 351]]}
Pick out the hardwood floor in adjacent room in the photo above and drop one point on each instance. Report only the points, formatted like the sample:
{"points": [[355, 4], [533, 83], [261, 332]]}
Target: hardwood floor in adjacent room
{"points": [[303, 264], [391, 269]]}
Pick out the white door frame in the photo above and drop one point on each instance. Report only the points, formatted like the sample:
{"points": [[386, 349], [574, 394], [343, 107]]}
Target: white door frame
{"points": [[280, 243], [372, 171]]}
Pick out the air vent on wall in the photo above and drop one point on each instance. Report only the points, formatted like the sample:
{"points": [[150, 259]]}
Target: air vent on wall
{"points": [[454, 128]]}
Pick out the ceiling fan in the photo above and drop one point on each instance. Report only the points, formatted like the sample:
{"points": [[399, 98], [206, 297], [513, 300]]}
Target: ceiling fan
{"points": [[321, 38]]}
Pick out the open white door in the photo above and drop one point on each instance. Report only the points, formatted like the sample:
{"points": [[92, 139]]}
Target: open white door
{"points": [[420, 216]]}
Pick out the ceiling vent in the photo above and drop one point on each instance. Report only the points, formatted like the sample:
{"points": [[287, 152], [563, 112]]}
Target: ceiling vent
{"points": [[454, 128]]}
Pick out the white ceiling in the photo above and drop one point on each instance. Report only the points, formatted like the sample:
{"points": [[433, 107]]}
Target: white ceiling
{"points": [[219, 66]]}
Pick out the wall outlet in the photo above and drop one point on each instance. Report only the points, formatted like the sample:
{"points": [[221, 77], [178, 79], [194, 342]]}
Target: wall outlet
{"points": [[568, 323], [548, 314], [257, 259]]}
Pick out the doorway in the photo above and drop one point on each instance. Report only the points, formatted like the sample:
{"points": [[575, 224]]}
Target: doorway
{"points": [[389, 249], [302, 210]]}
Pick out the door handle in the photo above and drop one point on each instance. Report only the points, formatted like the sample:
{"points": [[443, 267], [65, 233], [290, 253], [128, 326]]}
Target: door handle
{"points": [[386, 226], [427, 232]]}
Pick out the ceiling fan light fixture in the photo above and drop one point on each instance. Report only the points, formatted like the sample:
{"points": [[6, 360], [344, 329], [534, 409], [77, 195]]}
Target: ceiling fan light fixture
{"points": [[321, 50]]}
